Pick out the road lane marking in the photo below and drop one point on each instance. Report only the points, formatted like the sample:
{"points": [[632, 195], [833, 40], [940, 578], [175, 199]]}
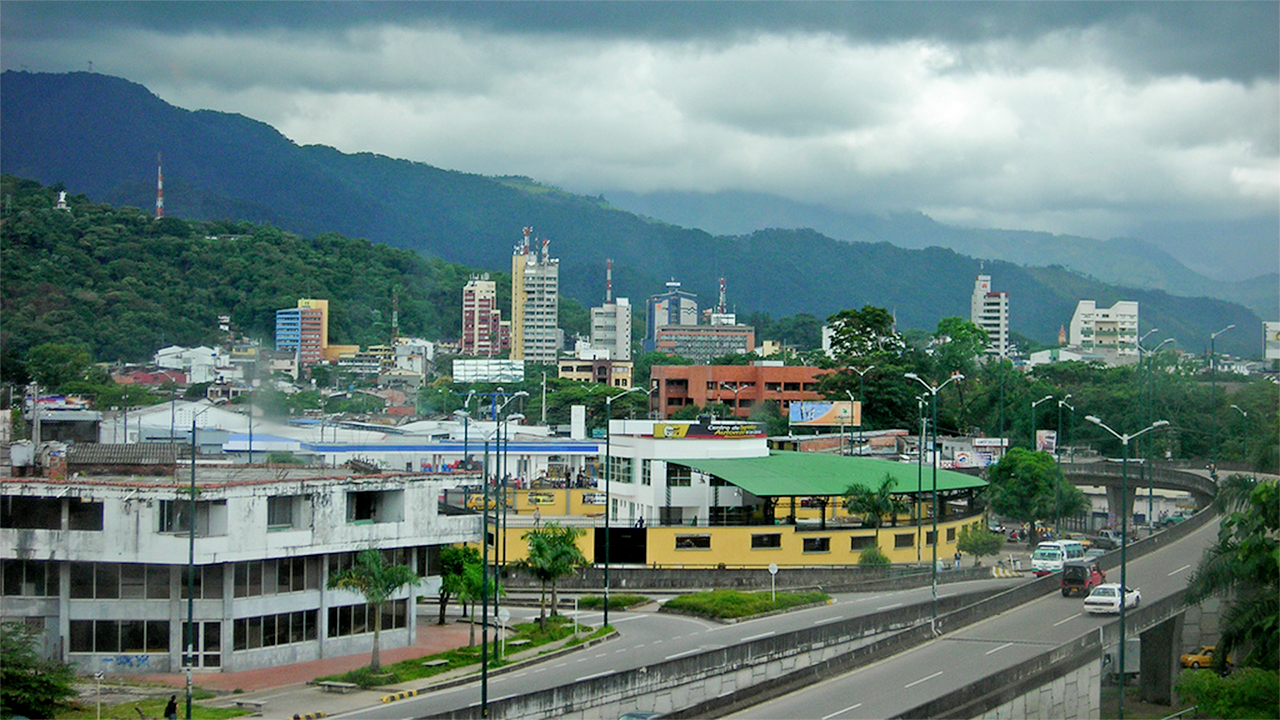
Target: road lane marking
{"points": [[1066, 620], [917, 682], [657, 642], [757, 637], [841, 712], [560, 664], [998, 649], [1175, 572], [828, 620], [889, 607], [519, 674], [682, 654]]}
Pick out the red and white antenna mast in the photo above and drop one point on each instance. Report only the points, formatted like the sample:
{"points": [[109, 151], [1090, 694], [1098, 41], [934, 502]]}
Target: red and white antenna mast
{"points": [[721, 308], [159, 189]]}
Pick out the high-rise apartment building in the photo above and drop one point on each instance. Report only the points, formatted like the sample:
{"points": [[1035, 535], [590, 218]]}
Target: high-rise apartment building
{"points": [[303, 331], [1111, 332], [483, 331], [611, 329], [673, 307], [535, 295], [990, 311]]}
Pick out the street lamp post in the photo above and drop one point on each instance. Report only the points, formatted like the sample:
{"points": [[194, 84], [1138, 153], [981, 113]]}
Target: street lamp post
{"points": [[1124, 531], [1146, 466], [1057, 446], [919, 472], [861, 373], [1213, 379], [851, 401], [737, 387], [608, 471], [1046, 398], [1244, 435], [484, 585], [933, 389], [498, 520]]}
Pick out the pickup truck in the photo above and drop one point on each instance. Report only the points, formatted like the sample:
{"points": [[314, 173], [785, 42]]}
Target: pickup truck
{"points": [[1106, 539]]}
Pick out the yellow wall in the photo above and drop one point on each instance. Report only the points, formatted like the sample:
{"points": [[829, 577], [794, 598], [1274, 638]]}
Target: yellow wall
{"points": [[732, 545], [559, 501]]}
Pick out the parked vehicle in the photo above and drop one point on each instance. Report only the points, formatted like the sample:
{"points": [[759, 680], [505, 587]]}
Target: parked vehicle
{"points": [[1078, 578], [1205, 656], [1108, 539], [1106, 599], [1050, 556]]}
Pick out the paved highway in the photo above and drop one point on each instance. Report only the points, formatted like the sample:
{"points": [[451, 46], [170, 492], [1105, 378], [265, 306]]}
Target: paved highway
{"points": [[911, 678], [647, 637]]}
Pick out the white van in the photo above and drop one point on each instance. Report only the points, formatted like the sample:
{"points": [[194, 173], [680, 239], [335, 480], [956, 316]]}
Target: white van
{"points": [[1050, 556]]}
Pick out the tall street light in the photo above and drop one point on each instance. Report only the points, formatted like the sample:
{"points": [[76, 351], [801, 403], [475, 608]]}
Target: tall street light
{"points": [[1057, 446], [1124, 529], [465, 413], [484, 592], [1213, 378], [919, 472], [737, 387], [1046, 398], [1146, 466], [851, 401], [608, 472], [502, 485], [861, 373], [1245, 435], [933, 389]]}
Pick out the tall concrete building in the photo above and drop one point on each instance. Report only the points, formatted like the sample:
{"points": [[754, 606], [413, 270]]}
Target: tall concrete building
{"points": [[1111, 332], [483, 331], [673, 307], [535, 295], [611, 329], [303, 330], [990, 311]]}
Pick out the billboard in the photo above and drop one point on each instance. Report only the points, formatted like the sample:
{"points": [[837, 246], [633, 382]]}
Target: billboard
{"points": [[715, 429], [1047, 441], [488, 370], [822, 413]]}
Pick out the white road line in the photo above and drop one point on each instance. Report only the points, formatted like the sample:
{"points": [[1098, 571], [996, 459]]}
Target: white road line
{"points": [[682, 654], [889, 607], [1066, 620], [998, 649], [1175, 572], [757, 637], [917, 682], [657, 642], [828, 620], [560, 664], [519, 674], [540, 670], [620, 650], [841, 712]]}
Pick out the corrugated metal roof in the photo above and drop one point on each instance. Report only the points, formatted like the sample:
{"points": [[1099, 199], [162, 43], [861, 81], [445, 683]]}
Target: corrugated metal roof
{"points": [[132, 454], [787, 474]]}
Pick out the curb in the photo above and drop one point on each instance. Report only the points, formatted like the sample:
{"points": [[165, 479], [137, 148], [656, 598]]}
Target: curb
{"points": [[542, 657], [999, 572], [399, 695], [309, 716]]}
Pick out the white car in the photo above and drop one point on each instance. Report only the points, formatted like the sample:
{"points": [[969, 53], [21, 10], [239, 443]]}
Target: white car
{"points": [[1106, 599]]}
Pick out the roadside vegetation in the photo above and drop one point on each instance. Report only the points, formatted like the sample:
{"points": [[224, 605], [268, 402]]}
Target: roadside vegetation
{"points": [[733, 604], [616, 602], [151, 708]]}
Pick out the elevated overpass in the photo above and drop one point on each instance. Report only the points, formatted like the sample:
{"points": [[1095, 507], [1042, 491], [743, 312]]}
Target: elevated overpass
{"points": [[1110, 475]]}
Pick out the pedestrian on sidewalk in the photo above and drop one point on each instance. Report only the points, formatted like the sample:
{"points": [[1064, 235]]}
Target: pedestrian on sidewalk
{"points": [[171, 709]]}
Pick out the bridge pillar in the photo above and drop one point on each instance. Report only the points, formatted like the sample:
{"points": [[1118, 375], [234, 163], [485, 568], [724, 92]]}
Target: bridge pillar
{"points": [[1114, 506], [1158, 661]]}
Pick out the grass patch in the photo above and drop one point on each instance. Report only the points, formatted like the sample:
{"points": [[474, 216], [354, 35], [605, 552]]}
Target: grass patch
{"points": [[727, 604], [152, 708], [584, 638], [557, 627], [620, 602]]}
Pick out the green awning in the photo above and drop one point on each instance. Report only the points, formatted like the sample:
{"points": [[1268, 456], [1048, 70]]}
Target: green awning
{"points": [[788, 474]]}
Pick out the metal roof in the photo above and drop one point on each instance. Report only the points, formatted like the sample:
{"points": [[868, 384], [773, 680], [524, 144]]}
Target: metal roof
{"points": [[788, 474]]}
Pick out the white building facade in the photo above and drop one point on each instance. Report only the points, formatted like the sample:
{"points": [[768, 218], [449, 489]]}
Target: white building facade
{"points": [[1111, 332], [990, 311], [611, 329], [535, 297]]}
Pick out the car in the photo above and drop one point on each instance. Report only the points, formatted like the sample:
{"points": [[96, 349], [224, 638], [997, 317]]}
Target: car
{"points": [[1205, 656], [1094, 553], [1106, 599], [1078, 578]]}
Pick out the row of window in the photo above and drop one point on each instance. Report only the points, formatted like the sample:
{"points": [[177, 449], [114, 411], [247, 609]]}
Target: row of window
{"points": [[39, 513], [271, 630], [773, 541]]}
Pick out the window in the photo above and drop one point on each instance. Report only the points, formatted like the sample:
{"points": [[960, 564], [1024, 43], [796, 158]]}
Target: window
{"points": [[860, 543], [766, 541], [280, 512], [115, 636], [211, 517], [817, 545], [621, 469], [31, 513], [951, 534], [375, 506], [359, 619], [113, 581], [904, 540], [693, 542], [207, 583], [271, 630], [929, 537], [679, 476], [29, 578], [646, 472], [84, 515]]}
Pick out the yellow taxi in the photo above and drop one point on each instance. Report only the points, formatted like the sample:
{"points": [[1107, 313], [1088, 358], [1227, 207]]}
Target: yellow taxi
{"points": [[1205, 656]]}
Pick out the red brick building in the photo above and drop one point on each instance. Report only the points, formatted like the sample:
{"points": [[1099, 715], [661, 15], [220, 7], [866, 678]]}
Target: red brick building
{"points": [[741, 387]]}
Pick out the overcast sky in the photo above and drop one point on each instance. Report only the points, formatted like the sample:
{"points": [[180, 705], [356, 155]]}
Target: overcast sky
{"points": [[1159, 121]]}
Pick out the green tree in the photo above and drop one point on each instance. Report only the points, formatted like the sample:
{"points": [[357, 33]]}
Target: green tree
{"points": [[1027, 486], [865, 333], [874, 504], [1243, 567], [553, 554], [1247, 693], [377, 580], [978, 541], [957, 344], [454, 561], [29, 686], [56, 365]]}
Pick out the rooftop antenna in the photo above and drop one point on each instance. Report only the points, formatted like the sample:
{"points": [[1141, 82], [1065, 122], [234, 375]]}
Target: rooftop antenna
{"points": [[159, 188], [721, 305]]}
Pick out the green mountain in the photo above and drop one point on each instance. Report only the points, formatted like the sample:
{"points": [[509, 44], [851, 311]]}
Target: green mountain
{"points": [[100, 136]]}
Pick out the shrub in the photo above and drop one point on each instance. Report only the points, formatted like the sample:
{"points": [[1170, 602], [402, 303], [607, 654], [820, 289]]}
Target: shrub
{"points": [[873, 556], [1247, 693]]}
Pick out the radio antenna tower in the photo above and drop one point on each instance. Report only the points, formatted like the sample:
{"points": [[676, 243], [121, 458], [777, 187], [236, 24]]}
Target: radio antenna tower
{"points": [[159, 189]]}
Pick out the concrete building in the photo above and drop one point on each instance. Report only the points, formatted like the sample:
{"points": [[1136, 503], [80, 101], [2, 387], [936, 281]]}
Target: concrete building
{"points": [[595, 366], [535, 296], [611, 329], [701, 343], [740, 387], [483, 331], [98, 565], [990, 311], [1110, 332], [673, 307], [302, 330], [1271, 341]]}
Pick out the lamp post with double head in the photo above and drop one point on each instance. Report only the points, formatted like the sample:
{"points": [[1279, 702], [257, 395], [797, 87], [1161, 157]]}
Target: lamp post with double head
{"points": [[1124, 529], [608, 471], [1146, 417], [1046, 398], [500, 520], [933, 389], [1213, 379], [1057, 447], [465, 414], [484, 592], [861, 373], [735, 389]]}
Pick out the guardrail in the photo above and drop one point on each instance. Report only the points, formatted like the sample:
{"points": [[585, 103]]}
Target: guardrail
{"points": [[1168, 478]]}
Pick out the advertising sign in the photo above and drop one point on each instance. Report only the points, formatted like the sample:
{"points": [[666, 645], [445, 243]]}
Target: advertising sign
{"points": [[1047, 441], [814, 413], [541, 498], [990, 442], [683, 430], [592, 498]]}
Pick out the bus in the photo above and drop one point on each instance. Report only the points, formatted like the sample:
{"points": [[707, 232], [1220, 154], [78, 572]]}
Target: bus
{"points": [[1050, 556]]}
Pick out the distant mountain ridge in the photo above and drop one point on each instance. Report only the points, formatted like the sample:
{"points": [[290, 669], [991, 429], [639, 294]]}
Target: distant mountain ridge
{"points": [[101, 135], [1120, 261]]}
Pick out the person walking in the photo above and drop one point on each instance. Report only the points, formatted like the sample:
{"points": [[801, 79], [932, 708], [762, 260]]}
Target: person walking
{"points": [[171, 709]]}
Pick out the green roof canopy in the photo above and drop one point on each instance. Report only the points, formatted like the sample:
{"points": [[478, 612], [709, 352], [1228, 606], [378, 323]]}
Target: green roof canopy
{"points": [[788, 474]]}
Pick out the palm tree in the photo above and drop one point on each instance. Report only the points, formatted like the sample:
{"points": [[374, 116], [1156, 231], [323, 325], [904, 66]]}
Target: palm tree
{"points": [[553, 553], [377, 581], [874, 504]]}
